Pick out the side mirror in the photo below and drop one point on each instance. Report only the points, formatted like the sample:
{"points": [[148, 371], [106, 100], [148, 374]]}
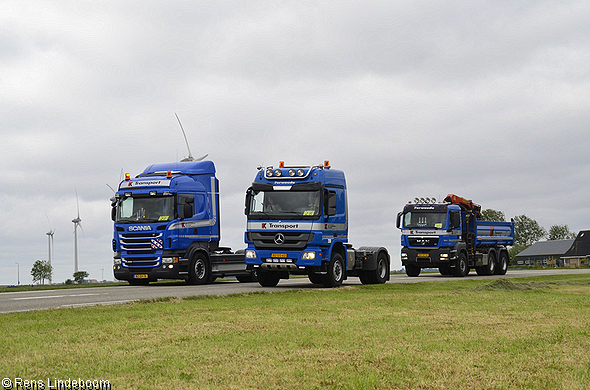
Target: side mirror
{"points": [[398, 222], [114, 213], [247, 202], [455, 221], [329, 203]]}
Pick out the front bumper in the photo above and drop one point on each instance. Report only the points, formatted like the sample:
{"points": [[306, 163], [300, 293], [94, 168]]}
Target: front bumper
{"points": [[428, 258], [164, 271]]}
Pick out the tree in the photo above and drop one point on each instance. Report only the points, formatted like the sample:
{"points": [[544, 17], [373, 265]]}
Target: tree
{"points": [[493, 215], [79, 276], [561, 232], [527, 231], [41, 270]]}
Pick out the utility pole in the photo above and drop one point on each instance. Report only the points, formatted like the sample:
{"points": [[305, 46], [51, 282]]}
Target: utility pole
{"points": [[17, 272]]}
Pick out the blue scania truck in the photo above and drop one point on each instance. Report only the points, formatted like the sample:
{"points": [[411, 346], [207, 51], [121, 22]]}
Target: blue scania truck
{"points": [[298, 224], [166, 226], [451, 236]]}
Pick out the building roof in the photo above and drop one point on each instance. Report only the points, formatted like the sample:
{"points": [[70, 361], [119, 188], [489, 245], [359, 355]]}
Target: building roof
{"points": [[548, 248], [581, 246]]}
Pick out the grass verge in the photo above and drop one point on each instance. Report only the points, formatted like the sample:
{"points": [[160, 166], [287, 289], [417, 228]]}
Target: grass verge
{"points": [[529, 333]]}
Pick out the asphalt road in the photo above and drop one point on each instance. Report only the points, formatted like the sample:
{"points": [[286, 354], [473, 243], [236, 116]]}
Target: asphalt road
{"points": [[18, 301]]}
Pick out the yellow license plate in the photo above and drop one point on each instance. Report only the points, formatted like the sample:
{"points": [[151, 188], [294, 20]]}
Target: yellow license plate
{"points": [[279, 255], [140, 276], [423, 255]]}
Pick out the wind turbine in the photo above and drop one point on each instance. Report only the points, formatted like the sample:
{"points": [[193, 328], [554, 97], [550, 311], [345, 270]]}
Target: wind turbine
{"points": [[49, 243], [76, 222]]}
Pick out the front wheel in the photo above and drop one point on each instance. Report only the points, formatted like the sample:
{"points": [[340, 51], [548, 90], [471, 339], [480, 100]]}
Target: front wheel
{"points": [[335, 274], [200, 270], [268, 278], [462, 267], [412, 270]]}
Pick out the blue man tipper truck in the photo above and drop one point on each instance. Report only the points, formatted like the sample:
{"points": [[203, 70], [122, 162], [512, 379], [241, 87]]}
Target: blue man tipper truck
{"points": [[451, 237], [298, 224], [166, 226]]}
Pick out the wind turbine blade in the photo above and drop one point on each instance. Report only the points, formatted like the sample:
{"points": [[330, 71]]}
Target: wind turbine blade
{"points": [[202, 158], [50, 228], [112, 189], [190, 155], [77, 203]]}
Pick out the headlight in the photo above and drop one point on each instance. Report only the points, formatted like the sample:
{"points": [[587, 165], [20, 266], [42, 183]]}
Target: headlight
{"points": [[117, 261], [291, 172], [308, 256], [269, 172], [300, 172], [404, 255], [167, 260], [278, 173], [250, 254]]}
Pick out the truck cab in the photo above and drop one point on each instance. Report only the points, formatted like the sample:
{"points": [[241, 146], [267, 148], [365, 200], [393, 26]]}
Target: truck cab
{"points": [[451, 237], [166, 226], [298, 224]]}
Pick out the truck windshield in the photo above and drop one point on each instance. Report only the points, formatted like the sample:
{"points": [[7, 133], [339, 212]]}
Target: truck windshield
{"points": [[285, 205], [425, 220], [145, 209]]}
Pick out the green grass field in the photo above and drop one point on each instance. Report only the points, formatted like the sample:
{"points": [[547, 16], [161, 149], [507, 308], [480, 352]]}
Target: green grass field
{"points": [[531, 333]]}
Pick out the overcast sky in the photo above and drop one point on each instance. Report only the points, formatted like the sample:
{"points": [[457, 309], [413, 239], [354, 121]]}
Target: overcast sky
{"points": [[485, 99]]}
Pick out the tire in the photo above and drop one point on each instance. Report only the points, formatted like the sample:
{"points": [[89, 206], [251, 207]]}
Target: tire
{"points": [[336, 271], [200, 270], [462, 268], [139, 282], [315, 278], [248, 278], [412, 270], [268, 278], [444, 270], [379, 275], [502, 265]]}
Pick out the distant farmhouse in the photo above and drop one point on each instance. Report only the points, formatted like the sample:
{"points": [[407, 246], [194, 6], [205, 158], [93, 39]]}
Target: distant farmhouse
{"points": [[560, 253]]}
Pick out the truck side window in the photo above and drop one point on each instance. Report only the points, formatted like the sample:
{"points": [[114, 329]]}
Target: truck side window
{"points": [[186, 206]]}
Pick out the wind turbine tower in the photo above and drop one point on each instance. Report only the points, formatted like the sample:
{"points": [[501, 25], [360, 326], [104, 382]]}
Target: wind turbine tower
{"points": [[76, 222], [49, 243]]}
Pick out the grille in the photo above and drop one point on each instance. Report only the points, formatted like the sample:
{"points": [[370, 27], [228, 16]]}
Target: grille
{"points": [[423, 241], [293, 240], [140, 249], [141, 262], [139, 244]]}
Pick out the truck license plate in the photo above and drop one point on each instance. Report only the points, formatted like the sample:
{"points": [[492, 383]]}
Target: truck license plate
{"points": [[423, 255], [279, 255], [140, 276]]}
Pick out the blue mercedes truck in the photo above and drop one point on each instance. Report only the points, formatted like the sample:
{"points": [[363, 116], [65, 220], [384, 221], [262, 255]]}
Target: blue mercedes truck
{"points": [[166, 226], [298, 225], [451, 236]]}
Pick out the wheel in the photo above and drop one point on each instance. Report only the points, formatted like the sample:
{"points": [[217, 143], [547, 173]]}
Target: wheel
{"points": [[502, 265], [490, 269], [444, 270], [462, 267], [268, 278], [315, 278], [335, 274], [200, 270], [139, 282], [253, 277], [378, 275], [412, 270]]}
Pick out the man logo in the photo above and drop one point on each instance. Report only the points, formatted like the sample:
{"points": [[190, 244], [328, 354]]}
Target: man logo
{"points": [[279, 238]]}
